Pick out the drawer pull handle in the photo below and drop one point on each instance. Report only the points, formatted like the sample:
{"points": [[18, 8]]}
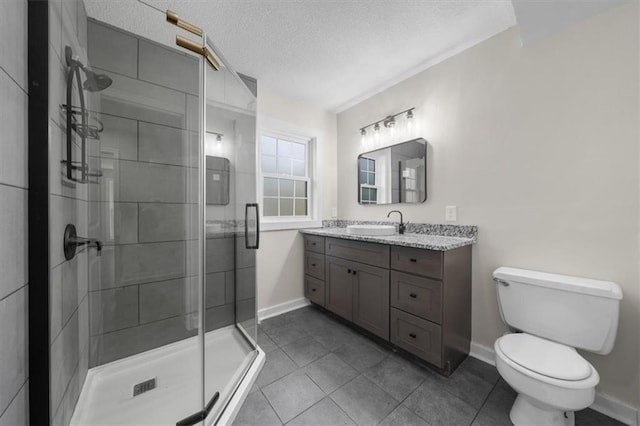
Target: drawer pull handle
{"points": [[413, 260], [313, 244], [348, 271], [413, 295], [313, 289], [412, 335], [313, 264], [354, 272]]}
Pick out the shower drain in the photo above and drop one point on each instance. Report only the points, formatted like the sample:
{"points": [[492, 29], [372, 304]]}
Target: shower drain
{"points": [[143, 387]]}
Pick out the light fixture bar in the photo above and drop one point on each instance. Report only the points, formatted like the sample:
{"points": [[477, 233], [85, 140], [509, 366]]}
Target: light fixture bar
{"points": [[388, 121]]}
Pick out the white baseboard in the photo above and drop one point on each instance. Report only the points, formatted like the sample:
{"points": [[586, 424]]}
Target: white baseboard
{"points": [[604, 404], [280, 309], [483, 353], [616, 409]]}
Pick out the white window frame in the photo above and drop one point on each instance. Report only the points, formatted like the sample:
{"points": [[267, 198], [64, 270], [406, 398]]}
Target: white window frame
{"points": [[290, 133], [369, 186]]}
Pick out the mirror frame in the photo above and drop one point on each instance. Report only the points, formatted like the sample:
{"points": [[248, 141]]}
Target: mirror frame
{"points": [[421, 140]]}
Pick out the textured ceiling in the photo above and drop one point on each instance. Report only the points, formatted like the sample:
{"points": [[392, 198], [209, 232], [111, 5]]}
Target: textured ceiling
{"points": [[330, 53], [538, 19]]}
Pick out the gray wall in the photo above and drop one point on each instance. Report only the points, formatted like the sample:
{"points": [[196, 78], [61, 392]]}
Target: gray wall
{"points": [[143, 292], [13, 214], [68, 300]]}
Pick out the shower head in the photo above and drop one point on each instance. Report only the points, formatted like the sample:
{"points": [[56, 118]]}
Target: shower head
{"points": [[95, 82]]}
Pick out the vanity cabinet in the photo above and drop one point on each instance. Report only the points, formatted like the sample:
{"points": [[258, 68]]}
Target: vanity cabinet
{"points": [[431, 304], [359, 293], [314, 269], [417, 299]]}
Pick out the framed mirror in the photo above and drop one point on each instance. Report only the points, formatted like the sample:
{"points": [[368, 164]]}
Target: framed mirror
{"points": [[217, 175], [394, 174]]}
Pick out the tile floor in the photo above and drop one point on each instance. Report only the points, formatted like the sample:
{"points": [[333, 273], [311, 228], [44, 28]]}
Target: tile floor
{"points": [[320, 372]]}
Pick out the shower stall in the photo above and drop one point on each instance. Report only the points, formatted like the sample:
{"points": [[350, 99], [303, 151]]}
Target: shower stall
{"points": [[143, 306]]}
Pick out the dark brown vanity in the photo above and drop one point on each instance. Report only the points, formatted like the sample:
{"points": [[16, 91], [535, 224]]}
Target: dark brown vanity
{"points": [[417, 299]]}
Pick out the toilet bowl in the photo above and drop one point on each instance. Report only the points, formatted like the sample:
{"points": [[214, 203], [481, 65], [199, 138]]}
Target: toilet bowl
{"points": [[554, 315], [552, 380]]}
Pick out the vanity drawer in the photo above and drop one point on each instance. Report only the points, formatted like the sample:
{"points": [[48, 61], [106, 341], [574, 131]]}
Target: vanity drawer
{"points": [[416, 295], [314, 264], [368, 253], [417, 261], [314, 290], [418, 336], [314, 243]]}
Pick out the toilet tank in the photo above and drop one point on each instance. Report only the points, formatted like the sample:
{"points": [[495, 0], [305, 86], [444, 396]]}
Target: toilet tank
{"points": [[578, 312]]}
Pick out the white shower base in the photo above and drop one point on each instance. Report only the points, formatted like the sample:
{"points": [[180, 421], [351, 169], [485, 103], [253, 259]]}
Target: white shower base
{"points": [[107, 394]]}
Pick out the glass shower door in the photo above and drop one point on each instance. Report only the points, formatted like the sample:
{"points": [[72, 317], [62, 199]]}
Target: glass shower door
{"points": [[152, 160], [231, 233], [126, 173]]}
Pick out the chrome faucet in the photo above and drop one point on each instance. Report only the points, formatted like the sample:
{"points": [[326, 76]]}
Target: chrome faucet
{"points": [[402, 224]]}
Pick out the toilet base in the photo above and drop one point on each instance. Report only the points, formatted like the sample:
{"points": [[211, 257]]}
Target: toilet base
{"points": [[528, 412]]}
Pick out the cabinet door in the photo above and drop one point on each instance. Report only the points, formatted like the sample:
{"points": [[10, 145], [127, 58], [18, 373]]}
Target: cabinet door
{"points": [[371, 299], [339, 287]]}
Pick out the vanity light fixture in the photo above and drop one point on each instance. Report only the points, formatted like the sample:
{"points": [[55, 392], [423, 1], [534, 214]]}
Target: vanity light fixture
{"points": [[409, 120], [218, 145], [388, 122]]}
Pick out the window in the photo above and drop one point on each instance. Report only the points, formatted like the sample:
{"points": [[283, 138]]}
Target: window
{"points": [[367, 181], [286, 182]]}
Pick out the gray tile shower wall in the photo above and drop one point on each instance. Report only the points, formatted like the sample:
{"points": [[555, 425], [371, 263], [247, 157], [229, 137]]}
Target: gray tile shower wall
{"points": [[14, 384], [69, 204], [145, 291]]}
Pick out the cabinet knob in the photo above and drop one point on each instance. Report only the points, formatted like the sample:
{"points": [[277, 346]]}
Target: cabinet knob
{"points": [[348, 271], [354, 272], [313, 244], [313, 289], [413, 295], [313, 264], [412, 335], [413, 260]]}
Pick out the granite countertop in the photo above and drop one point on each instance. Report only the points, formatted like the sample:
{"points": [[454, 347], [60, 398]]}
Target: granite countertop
{"points": [[416, 240]]}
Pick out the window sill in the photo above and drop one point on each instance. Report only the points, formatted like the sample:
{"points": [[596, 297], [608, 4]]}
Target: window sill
{"points": [[291, 224]]}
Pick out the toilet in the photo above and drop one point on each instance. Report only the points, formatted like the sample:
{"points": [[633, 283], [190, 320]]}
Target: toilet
{"points": [[551, 316]]}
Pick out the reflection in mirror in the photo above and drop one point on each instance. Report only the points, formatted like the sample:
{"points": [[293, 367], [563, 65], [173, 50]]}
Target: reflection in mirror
{"points": [[217, 180], [394, 174]]}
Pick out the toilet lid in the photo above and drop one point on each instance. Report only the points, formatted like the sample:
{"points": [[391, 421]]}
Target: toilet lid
{"points": [[544, 357]]}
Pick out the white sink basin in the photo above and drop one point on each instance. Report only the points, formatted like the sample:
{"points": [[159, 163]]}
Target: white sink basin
{"points": [[378, 230]]}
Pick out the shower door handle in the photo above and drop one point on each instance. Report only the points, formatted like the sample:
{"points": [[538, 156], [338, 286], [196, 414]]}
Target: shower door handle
{"points": [[256, 243]]}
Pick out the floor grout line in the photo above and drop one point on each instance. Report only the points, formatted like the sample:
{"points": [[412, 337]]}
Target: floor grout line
{"points": [[484, 402], [429, 377]]}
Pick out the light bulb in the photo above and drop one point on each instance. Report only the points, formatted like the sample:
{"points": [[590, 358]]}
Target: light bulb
{"points": [[409, 121]]}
